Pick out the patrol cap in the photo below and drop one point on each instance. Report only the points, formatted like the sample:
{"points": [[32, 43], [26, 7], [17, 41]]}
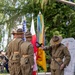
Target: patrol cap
{"points": [[28, 34], [56, 40], [20, 31]]}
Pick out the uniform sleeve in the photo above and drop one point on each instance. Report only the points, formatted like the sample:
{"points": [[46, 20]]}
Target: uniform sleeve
{"points": [[8, 52], [67, 56], [47, 48], [31, 53], [20, 47]]}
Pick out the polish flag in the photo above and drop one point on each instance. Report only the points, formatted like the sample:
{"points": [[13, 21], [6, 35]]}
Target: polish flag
{"points": [[33, 41]]}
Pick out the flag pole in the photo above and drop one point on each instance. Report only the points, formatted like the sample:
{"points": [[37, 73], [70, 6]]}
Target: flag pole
{"points": [[40, 29], [32, 15], [25, 20], [33, 41], [45, 73], [24, 26], [37, 72], [39, 12]]}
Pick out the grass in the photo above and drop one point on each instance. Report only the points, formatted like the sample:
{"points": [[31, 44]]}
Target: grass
{"points": [[5, 73]]}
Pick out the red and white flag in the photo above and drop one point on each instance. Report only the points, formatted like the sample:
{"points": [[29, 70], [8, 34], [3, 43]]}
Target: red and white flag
{"points": [[34, 39]]}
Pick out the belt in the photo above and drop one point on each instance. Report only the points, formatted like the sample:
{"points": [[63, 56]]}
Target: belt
{"points": [[25, 56], [16, 52], [14, 63], [57, 59]]}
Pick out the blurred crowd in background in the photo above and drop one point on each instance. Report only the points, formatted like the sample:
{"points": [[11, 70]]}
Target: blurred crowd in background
{"points": [[3, 62]]}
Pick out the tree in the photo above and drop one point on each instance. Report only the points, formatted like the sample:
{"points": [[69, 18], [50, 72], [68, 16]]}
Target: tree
{"points": [[57, 16]]}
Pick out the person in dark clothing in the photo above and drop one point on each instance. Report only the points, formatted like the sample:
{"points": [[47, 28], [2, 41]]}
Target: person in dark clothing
{"points": [[1, 62], [6, 64]]}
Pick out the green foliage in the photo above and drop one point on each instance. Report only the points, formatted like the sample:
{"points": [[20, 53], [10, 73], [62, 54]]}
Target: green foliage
{"points": [[58, 18], [40, 69]]}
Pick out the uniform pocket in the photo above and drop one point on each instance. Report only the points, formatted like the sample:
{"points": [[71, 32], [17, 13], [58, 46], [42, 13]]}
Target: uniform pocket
{"points": [[16, 56], [24, 61], [9, 66]]}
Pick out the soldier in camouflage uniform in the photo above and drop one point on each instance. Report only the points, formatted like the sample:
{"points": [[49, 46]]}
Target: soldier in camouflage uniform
{"points": [[58, 53], [13, 53], [27, 55]]}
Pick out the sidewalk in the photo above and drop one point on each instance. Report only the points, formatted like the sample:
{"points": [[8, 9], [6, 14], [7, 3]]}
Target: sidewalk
{"points": [[48, 73]]}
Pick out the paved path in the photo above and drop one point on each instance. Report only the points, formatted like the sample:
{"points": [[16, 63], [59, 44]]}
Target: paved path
{"points": [[44, 73], [37, 74]]}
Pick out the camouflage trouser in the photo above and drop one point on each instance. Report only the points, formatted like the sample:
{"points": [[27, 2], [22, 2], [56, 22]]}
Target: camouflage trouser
{"points": [[26, 70], [57, 72], [14, 69]]}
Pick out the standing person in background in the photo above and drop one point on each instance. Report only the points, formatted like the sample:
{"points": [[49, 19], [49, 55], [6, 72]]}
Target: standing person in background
{"points": [[6, 63], [27, 55], [13, 53], [1, 62], [58, 52]]}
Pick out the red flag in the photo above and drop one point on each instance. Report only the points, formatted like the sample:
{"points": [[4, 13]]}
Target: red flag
{"points": [[34, 45]]}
